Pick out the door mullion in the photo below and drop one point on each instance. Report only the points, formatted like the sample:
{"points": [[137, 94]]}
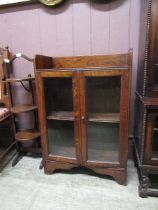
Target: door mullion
{"points": [[83, 119], [76, 104]]}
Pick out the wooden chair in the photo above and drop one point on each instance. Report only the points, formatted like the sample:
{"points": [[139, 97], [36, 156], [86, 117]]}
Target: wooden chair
{"points": [[6, 135]]}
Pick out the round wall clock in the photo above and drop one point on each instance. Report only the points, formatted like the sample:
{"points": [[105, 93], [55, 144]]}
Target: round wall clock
{"points": [[50, 2]]}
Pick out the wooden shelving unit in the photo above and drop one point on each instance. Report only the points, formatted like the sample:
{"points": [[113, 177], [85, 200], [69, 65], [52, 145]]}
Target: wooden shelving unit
{"points": [[25, 135], [83, 112]]}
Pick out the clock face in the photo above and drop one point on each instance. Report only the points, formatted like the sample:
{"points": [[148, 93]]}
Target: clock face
{"points": [[50, 2]]}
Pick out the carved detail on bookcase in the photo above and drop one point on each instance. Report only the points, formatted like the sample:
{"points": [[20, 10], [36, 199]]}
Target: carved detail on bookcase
{"points": [[147, 99], [143, 134], [147, 46]]}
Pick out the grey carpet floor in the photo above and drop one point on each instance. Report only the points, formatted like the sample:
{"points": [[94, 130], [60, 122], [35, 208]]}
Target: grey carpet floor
{"points": [[25, 187]]}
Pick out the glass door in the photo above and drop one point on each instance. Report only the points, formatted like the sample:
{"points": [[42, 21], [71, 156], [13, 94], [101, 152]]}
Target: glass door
{"points": [[151, 147], [155, 139], [153, 49], [155, 57], [102, 127], [60, 96]]}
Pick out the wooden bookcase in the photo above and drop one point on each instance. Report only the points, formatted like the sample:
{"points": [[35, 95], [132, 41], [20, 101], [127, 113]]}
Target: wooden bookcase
{"points": [[146, 125], [83, 112]]}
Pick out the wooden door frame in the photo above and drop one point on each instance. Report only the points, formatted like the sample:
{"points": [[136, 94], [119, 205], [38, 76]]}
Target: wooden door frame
{"points": [[39, 75], [124, 111]]}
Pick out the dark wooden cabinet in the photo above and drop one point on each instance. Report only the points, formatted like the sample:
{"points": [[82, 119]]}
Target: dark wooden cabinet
{"points": [[83, 112], [148, 49], [146, 123]]}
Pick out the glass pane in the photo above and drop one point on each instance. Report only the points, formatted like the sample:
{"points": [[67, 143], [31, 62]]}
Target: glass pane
{"points": [[155, 77], [155, 67], [58, 94], [153, 181], [61, 138], [155, 139], [103, 107], [103, 94], [103, 144], [60, 117]]}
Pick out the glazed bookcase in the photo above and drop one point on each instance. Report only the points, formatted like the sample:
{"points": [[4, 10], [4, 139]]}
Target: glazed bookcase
{"points": [[83, 112]]}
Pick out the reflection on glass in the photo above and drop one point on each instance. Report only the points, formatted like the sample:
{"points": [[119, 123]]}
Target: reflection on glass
{"points": [[60, 117], [155, 69], [155, 65], [103, 144], [153, 183], [61, 138], [103, 107], [155, 139], [103, 94], [58, 94]]}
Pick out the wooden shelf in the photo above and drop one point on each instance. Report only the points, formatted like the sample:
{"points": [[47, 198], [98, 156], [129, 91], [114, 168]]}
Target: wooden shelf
{"points": [[62, 115], [92, 117], [27, 135], [19, 79], [63, 151], [104, 117], [103, 155], [23, 108]]}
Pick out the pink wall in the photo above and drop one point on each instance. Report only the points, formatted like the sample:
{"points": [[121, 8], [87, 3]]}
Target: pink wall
{"points": [[78, 27]]}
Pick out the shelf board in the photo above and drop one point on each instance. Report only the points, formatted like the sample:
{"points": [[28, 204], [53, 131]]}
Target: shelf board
{"points": [[19, 79], [23, 108], [103, 155], [61, 115], [104, 117], [63, 151], [92, 117], [27, 135]]}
